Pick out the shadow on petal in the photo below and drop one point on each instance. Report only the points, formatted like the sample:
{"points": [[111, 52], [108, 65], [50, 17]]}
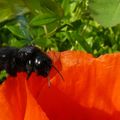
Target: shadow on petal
{"points": [[58, 106]]}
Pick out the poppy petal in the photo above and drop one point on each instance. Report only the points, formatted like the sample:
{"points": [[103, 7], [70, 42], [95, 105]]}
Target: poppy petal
{"points": [[90, 89], [16, 102], [92, 82]]}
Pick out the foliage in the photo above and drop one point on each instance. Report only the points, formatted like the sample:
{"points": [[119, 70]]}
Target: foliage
{"points": [[61, 25], [105, 11]]}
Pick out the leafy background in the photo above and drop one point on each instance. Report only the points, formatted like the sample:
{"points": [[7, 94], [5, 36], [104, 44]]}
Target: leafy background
{"points": [[88, 25]]}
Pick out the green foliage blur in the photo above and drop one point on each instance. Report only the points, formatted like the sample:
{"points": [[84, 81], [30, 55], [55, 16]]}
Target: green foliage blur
{"points": [[55, 25]]}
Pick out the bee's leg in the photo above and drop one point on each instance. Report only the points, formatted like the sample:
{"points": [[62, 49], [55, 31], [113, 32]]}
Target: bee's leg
{"points": [[11, 67]]}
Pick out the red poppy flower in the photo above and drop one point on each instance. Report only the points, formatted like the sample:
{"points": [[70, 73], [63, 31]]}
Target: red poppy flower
{"points": [[90, 90]]}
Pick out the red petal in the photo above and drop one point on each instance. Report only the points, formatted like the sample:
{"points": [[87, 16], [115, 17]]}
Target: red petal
{"points": [[90, 91], [16, 102]]}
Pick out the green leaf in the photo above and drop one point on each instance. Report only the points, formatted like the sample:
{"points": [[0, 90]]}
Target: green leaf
{"points": [[37, 32], [17, 43], [42, 42], [16, 30], [106, 12], [5, 14], [10, 9], [82, 42], [45, 6], [66, 6], [43, 19]]}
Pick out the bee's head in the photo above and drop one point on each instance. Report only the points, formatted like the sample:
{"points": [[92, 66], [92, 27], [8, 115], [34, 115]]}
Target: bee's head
{"points": [[42, 65]]}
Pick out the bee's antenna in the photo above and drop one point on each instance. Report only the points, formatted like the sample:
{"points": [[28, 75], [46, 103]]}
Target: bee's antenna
{"points": [[58, 72]]}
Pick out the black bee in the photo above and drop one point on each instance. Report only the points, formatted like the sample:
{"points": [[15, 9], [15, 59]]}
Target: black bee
{"points": [[29, 59]]}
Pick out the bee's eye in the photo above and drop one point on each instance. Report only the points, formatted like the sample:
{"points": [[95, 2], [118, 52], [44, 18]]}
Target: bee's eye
{"points": [[37, 62], [26, 53]]}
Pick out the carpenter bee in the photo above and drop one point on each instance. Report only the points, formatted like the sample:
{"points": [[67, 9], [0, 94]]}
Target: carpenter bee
{"points": [[27, 59]]}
